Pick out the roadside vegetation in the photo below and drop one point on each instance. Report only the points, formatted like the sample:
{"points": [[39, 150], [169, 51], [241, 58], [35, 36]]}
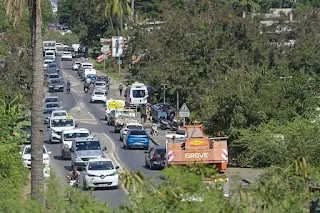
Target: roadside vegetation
{"points": [[227, 72]]}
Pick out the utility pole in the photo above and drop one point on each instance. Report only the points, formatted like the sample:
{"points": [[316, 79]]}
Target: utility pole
{"points": [[132, 10], [121, 18], [164, 92]]}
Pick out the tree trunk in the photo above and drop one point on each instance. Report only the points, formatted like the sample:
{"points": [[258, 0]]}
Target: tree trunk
{"points": [[37, 179], [111, 22], [121, 18]]}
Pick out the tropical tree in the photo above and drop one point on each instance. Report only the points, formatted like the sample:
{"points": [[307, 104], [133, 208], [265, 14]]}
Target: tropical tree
{"points": [[14, 8]]}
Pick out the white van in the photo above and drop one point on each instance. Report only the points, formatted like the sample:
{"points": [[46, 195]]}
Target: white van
{"points": [[113, 105], [87, 72], [57, 124], [67, 136], [84, 66], [136, 95], [50, 53]]}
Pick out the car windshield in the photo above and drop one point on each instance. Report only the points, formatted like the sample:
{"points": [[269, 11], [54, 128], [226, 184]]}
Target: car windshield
{"points": [[66, 53], [55, 105], [51, 100], [87, 66], [99, 93], [126, 113], [59, 114], [70, 136], [100, 165], [26, 129], [100, 84], [49, 44], [48, 62], [52, 65], [91, 76], [55, 81], [138, 93], [88, 145], [62, 122], [49, 53], [28, 150], [138, 132], [134, 127], [47, 111], [53, 76]]}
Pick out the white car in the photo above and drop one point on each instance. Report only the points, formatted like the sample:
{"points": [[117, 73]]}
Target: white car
{"points": [[76, 65], [100, 85], [98, 95], [101, 173], [58, 113], [46, 62], [128, 126], [66, 56], [26, 156]]}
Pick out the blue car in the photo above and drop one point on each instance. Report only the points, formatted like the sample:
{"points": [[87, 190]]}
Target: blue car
{"points": [[136, 138], [92, 78]]}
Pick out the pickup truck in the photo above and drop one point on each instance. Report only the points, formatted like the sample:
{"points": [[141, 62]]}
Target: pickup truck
{"points": [[123, 116]]}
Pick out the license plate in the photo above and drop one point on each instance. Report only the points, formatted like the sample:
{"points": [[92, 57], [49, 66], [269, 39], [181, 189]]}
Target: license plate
{"points": [[57, 87], [103, 185]]}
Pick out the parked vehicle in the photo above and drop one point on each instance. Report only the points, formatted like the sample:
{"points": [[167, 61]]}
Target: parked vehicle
{"points": [[26, 156]]}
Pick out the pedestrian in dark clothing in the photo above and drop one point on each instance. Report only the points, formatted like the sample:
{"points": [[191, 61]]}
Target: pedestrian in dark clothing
{"points": [[143, 113], [120, 89]]}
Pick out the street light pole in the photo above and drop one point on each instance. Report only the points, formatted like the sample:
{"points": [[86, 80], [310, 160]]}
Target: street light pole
{"points": [[132, 10], [164, 92]]}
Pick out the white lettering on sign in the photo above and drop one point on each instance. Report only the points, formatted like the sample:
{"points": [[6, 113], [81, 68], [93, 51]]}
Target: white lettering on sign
{"points": [[197, 155]]}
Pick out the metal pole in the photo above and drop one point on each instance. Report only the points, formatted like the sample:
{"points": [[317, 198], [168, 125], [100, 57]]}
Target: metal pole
{"points": [[119, 68], [121, 18], [104, 63], [132, 10], [164, 93], [177, 100], [184, 121]]}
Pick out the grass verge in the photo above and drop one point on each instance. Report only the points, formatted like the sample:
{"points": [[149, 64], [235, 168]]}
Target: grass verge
{"points": [[111, 71]]}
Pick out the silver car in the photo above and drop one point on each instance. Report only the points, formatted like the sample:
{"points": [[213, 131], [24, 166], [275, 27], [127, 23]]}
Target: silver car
{"points": [[100, 85], [47, 114]]}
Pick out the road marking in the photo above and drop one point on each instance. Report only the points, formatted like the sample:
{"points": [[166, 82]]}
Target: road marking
{"points": [[111, 153], [92, 115]]}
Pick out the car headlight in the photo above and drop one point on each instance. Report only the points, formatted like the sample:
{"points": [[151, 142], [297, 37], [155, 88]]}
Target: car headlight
{"points": [[112, 174], [91, 175]]}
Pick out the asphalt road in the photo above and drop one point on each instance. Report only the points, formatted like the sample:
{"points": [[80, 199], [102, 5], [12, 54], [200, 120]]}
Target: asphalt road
{"points": [[91, 116]]}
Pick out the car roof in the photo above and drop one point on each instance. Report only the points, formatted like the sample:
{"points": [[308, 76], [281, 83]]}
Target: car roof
{"points": [[136, 124], [86, 139], [63, 117], [159, 147], [51, 97], [62, 110], [100, 82], [27, 146], [52, 108], [99, 159], [76, 130]]}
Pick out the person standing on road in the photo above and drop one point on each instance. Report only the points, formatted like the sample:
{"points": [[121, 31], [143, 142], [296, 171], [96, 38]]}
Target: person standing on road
{"points": [[120, 89], [143, 113]]}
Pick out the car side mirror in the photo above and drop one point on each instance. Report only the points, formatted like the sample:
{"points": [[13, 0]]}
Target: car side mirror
{"points": [[104, 148], [20, 153], [117, 167], [49, 153]]}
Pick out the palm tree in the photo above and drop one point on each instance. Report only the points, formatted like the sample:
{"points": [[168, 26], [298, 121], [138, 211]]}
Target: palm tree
{"points": [[116, 8], [14, 8]]}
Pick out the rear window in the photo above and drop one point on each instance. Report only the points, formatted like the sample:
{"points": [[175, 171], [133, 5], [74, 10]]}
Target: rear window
{"points": [[52, 105], [138, 93], [100, 84], [134, 127], [54, 76], [59, 114], [51, 100], [160, 151], [137, 132], [99, 93], [52, 65], [86, 66], [67, 53], [49, 53]]}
